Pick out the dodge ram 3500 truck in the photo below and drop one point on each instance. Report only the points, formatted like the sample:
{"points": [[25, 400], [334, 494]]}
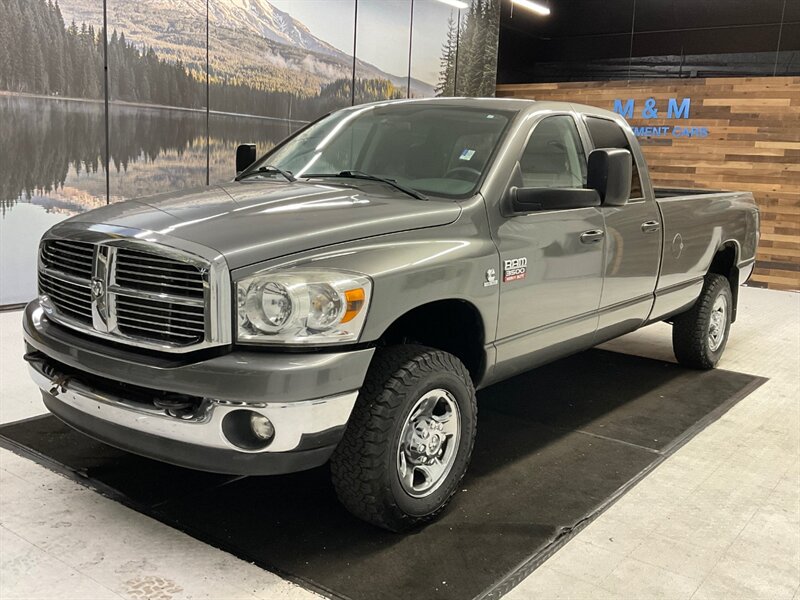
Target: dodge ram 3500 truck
{"points": [[342, 299]]}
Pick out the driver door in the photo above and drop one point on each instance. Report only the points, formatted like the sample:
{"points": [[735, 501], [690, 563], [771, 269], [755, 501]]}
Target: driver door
{"points": [[551, 261]]}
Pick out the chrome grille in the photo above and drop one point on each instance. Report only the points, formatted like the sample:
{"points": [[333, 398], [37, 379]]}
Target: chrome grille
{"points": [[141, 293], [165, 321], [70, 257], [73, 299], [154, 273]]}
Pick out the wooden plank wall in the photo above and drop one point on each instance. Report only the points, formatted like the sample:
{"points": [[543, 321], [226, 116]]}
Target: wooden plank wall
{"points": [[753, 144]]}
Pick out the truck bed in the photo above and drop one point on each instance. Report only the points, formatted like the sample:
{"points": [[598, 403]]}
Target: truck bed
{"points": [[696, 225]]}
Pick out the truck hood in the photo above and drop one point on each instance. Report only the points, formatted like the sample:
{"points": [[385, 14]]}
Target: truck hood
{"points": [[249, 222]]}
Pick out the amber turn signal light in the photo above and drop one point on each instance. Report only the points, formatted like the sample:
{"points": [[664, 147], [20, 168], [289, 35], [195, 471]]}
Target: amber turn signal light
{"points": [[355, 301]]}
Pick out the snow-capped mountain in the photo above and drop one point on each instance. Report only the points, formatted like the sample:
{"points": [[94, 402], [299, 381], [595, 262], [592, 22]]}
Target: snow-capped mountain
{"points": [[264, 19]]}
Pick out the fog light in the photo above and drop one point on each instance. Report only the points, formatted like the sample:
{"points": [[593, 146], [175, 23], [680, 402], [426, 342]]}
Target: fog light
{"points": [[262, 427], [248, 430]]}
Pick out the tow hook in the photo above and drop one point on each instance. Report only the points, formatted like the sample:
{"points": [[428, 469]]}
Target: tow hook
{"points": [[60, 385], [180, 407], [59, 382]]}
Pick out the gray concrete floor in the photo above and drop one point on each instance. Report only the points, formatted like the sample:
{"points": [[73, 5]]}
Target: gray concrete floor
{"points": [[718, 519]]}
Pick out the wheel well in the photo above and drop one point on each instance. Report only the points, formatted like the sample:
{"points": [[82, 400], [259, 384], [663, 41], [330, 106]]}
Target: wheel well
{"points": [[454, 326], [724, 263]]}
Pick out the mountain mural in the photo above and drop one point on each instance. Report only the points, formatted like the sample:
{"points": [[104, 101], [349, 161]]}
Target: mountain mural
{"points": [[165, 128], [262, 18], [251, 42]]}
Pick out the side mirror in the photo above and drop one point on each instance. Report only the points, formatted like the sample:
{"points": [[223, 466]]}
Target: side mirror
{"points": [[609, 172], [245, 156], [532, 199]]}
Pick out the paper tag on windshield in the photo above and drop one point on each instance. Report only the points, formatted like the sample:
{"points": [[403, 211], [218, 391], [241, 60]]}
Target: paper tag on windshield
{"points": [[466, 154]]}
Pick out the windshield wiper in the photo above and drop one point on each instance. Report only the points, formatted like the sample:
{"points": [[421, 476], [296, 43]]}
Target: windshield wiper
{"points": [[367, 177], [267, 169]]}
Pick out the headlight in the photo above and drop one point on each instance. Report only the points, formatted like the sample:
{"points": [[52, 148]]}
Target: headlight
{"points": [[302, 307]]}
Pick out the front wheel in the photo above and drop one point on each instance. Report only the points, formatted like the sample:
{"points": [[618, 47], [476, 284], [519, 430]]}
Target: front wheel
{"points": [[409, 439], [700, 334]]}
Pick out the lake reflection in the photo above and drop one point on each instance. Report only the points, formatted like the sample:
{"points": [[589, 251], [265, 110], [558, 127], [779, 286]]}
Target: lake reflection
{"points": [[52, 165]]}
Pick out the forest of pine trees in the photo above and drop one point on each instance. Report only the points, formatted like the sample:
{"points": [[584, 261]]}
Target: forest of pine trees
{"points": [[43, 56], [39, 55], [469, 54]]}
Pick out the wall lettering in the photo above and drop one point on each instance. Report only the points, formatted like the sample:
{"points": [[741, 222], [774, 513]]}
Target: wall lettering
{"points": [[677, 108]]}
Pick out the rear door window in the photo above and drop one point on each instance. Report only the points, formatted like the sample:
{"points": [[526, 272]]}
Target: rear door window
{"points": [[607, 134]]}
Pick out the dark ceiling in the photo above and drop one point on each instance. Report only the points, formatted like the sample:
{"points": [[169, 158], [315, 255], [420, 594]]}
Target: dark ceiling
{"points": [[584, 40]]}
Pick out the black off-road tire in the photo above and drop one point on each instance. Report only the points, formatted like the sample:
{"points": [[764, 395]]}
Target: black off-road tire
{"points": [[364, 465], [690, 329]]}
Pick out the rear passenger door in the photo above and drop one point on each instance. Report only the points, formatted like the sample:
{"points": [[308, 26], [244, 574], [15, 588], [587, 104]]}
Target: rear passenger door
{"points": [[633, 240], [551, 261]]}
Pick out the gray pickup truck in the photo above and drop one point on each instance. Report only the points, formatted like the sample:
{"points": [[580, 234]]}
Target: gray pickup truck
{"points": [[342, 299]]}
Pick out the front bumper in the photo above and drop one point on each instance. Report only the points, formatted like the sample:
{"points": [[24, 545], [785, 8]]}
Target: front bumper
{"points": [[103, 391]]}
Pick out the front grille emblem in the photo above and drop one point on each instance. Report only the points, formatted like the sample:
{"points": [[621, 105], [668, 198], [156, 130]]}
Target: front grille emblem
{"points": [[98, 287], [102, 318]]}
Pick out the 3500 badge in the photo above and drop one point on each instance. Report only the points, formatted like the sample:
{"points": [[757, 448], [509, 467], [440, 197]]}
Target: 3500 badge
{"points": [[515, 269]]}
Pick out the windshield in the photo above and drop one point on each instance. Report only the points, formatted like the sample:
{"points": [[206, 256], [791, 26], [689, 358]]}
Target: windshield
{"points": [[439, 150]]}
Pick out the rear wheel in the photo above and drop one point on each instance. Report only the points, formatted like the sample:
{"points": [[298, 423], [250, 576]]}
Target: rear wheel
{"points": [[409, 439], [700, 334]]}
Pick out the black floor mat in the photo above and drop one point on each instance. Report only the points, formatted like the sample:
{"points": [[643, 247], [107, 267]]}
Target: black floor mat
{"points": [[555, 447]]}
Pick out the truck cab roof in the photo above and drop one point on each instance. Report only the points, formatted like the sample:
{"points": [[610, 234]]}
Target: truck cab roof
{"points": [[512, 104]]}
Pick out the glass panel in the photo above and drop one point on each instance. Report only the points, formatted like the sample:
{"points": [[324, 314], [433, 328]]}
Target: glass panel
{"points": [[661, 15], [789, 56], [433, 48], [51, 129], [157, 93], [591, 40], [525, 59], [382, 42], [229, 131], [729, 52], [155, 149], [284, 61], [477, 49], [575, 19]]}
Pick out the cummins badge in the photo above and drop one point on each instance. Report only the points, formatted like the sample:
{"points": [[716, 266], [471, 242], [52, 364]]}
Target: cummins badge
{"points": [[515, 269], [491, 278]]}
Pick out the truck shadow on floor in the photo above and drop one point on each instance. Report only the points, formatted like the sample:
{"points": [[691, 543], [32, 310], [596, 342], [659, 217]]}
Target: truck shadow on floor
{"points": [[554, 446]]}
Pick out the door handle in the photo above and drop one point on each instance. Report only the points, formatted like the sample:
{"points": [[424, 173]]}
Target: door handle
{"points": [[592, 236], [651, 226]]}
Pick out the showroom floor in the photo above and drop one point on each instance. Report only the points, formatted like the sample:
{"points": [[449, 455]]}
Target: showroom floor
{"points": [[719, 519]]}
